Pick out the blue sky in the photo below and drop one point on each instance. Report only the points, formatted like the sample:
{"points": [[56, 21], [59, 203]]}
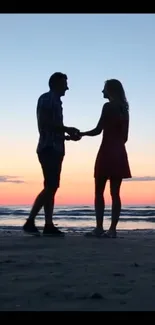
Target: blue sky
{"points": [[89, 48]]}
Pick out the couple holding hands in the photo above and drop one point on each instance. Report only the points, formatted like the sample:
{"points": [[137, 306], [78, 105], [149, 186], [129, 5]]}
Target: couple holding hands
{"points": [[111, 161]]}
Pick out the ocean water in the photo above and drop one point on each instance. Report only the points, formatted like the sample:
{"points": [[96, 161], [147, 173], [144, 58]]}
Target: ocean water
{"points": [[79, 218]]}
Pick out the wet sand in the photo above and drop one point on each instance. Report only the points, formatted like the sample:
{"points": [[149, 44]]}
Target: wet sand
{"points": [[77, 273]]}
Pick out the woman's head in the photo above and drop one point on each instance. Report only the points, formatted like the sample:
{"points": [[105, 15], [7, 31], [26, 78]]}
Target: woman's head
{"points": [[113, 90]]}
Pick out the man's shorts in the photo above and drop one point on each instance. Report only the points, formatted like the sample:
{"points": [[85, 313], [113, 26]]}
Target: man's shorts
{"points": [[51, 163]]}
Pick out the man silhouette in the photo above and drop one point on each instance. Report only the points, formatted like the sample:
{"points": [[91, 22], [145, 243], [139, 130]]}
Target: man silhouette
{"points": [[50, 151]]}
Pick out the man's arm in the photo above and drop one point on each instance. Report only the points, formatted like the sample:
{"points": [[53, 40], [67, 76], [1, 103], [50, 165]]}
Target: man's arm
{"points": [[72, 138], [45, 121]]}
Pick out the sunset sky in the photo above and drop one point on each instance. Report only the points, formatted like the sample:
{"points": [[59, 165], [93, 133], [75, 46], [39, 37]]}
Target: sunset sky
{"points": [[89, 48]]}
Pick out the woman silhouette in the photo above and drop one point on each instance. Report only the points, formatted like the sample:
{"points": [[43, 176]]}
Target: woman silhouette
{"points": [[112, 160]]}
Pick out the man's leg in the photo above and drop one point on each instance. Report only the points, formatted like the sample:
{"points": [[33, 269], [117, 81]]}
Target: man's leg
{"points": [[48, 209], [38, 204], [51, 163], [49, 228], [29, 225], [52, 182]]}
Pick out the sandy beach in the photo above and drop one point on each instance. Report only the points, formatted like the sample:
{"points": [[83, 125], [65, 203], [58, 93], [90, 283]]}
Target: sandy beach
{"points": [[77, 273]]}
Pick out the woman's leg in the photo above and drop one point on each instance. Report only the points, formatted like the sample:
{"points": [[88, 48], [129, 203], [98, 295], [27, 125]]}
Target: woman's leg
{"points": [[100, 184], [115, 185]]}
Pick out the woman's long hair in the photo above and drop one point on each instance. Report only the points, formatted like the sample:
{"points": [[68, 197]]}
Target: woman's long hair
{"points": [[116, 91]]}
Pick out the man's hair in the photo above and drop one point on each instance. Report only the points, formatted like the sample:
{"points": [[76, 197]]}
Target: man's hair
{"points": [[55, 78]]}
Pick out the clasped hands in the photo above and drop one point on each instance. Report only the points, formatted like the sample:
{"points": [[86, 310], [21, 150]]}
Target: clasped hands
{"points": [[74, 134]]}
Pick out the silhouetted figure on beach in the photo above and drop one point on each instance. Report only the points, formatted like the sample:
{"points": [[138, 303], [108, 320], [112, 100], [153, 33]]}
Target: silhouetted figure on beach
{"points": [[112, 160], [51, 151]]}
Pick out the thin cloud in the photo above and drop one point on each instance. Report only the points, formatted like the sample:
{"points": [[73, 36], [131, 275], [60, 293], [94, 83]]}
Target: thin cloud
{"points": [[140, 179], [10, 179], [15, 180]]}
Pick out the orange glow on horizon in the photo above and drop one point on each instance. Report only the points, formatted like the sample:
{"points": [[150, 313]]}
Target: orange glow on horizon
{"points": [[78, 192]]}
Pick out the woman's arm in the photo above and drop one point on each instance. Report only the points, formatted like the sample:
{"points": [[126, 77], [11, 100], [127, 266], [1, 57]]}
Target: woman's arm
{"points": [[126, 129], [99, 127]]}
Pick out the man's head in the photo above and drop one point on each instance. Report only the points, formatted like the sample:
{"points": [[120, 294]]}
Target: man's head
{"points": [[58, 83]]}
